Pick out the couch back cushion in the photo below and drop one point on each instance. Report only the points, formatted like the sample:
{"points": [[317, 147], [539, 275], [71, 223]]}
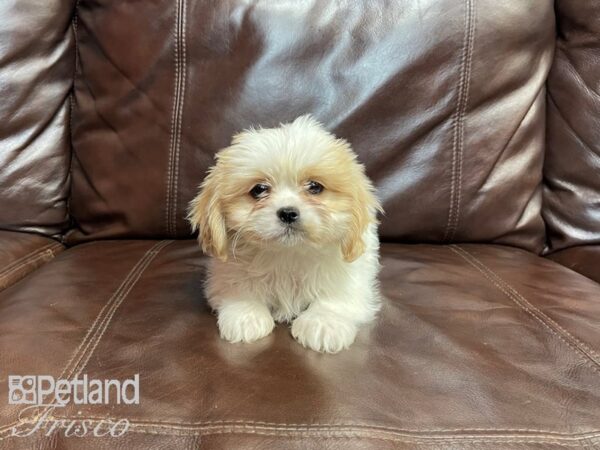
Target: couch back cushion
{"points": [[572, 167], [443, 100], [37, 51]]}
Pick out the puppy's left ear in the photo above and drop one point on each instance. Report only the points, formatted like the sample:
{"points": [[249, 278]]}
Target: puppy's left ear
{"points": [[364, 212], [205, 214]]}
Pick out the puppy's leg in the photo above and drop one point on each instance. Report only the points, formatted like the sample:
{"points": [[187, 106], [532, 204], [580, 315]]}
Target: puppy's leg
{"points": [[330, 323], [244, 320], [324, 329]]}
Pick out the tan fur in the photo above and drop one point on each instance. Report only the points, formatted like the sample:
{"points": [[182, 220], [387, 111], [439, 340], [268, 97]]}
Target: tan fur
{"points": [[206, 216]]}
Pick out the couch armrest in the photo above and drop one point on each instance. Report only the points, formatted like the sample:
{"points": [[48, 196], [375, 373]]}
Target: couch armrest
{"points": [[584, 259], [21, 253]]}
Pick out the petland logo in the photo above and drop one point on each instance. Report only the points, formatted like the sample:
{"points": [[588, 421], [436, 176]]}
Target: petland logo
{"points": [[42, 394], [35, 389]]}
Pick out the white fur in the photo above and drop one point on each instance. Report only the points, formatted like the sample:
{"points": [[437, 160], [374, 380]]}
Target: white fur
{"points": [[301, 277]]}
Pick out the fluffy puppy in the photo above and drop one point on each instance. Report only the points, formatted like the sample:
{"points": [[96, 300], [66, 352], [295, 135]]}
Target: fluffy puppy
{"points": [[290, 218]]}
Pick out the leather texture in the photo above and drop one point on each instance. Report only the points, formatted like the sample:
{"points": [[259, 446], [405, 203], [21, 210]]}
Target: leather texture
{"points": [[414, 86], [467, 353], [37, 54], [572, 167], [21, 253], [476, 119], [583, 259]]}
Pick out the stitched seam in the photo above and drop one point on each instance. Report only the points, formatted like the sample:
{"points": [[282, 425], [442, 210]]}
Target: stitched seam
{"points": [[74, 24], [339, 426], [592, 354], [107, 312], [183, 74], [461, 144], [177, 112], [29, 255], [585, 353], [118, 303], [29, 258], [339, 432], [458, 122], [25, 263], [173, 120], [111, 306], [363, 436]]}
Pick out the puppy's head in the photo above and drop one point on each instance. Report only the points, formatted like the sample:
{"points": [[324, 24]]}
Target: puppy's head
{"points": [[296, 185]]}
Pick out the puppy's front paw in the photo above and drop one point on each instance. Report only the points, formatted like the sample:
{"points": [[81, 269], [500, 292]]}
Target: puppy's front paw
{"points": [[323, 332], [245, 322]]}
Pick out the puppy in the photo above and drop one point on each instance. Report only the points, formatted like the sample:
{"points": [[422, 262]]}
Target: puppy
{"points": [[290, 218]]}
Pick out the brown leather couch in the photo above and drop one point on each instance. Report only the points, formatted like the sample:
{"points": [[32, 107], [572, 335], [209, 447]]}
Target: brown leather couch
{"points": [[479, 122]]}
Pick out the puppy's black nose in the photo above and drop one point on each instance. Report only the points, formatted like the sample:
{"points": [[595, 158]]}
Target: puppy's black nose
{"points": [[288, 214]]}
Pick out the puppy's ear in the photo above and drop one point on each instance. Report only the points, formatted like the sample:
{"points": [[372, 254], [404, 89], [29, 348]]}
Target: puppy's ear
{"points": [[364, 212], [205, 214]]}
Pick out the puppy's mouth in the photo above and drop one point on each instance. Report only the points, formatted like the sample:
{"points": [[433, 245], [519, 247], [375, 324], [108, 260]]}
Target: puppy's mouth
{"points": [[292, 234]]}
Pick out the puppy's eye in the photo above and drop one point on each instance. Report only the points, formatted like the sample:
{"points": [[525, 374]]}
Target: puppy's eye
{"points": [[259, 190], [314, 188]]}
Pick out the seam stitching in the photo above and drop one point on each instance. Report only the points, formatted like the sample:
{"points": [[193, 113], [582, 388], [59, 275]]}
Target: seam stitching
{"points": [[173, 120], [107, 312], [74, 24], [339, 426], [458, 122], [29, 258], [340, 431], [177, 112], [109, 308], [462, 118], [584, 352], [115, 306], [183, 74], [31, 254]]}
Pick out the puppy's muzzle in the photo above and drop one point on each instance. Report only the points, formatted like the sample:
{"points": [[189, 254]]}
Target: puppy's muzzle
{"points": [[288, 214]]}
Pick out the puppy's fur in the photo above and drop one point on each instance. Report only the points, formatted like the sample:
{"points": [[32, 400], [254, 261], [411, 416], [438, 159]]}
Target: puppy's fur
{"points": [[319, 272]]}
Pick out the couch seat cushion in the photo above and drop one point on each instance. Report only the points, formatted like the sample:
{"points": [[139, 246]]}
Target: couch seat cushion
{"points": [[477, 346], [584, 259]]}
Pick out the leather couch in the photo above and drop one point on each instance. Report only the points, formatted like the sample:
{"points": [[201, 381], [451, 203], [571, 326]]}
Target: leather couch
{"points": [[479, 122]]}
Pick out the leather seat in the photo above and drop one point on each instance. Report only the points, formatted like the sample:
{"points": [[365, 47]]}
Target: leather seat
{"points": [[21, 253], [476, 120], [468, 351]]}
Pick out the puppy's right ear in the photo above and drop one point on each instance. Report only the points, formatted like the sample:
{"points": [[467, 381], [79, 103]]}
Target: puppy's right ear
{"points": [[206, 215]]}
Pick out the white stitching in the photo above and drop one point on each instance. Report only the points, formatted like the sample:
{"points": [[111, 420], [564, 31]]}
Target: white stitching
{"points": [[106, 313], [183, 75], [342, 431], [173, 121], [84, 344], [458, 122], [31, 255], [41, 253], [176, 117], [116, 299], [132, 281], [581, 349], [332, 426]]}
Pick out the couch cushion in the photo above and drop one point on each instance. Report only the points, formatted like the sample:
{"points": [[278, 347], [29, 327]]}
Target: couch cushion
{"points": [[21, 253], [584, 259], [476, 347], [37, 51], [572, 164], [443, 101]]}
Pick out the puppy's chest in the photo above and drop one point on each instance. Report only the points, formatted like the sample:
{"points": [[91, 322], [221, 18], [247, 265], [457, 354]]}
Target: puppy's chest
{"points": [[289, 281]]}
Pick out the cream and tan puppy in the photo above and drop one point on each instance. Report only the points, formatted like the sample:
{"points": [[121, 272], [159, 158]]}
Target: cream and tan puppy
{"points": [[290, 218]]}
